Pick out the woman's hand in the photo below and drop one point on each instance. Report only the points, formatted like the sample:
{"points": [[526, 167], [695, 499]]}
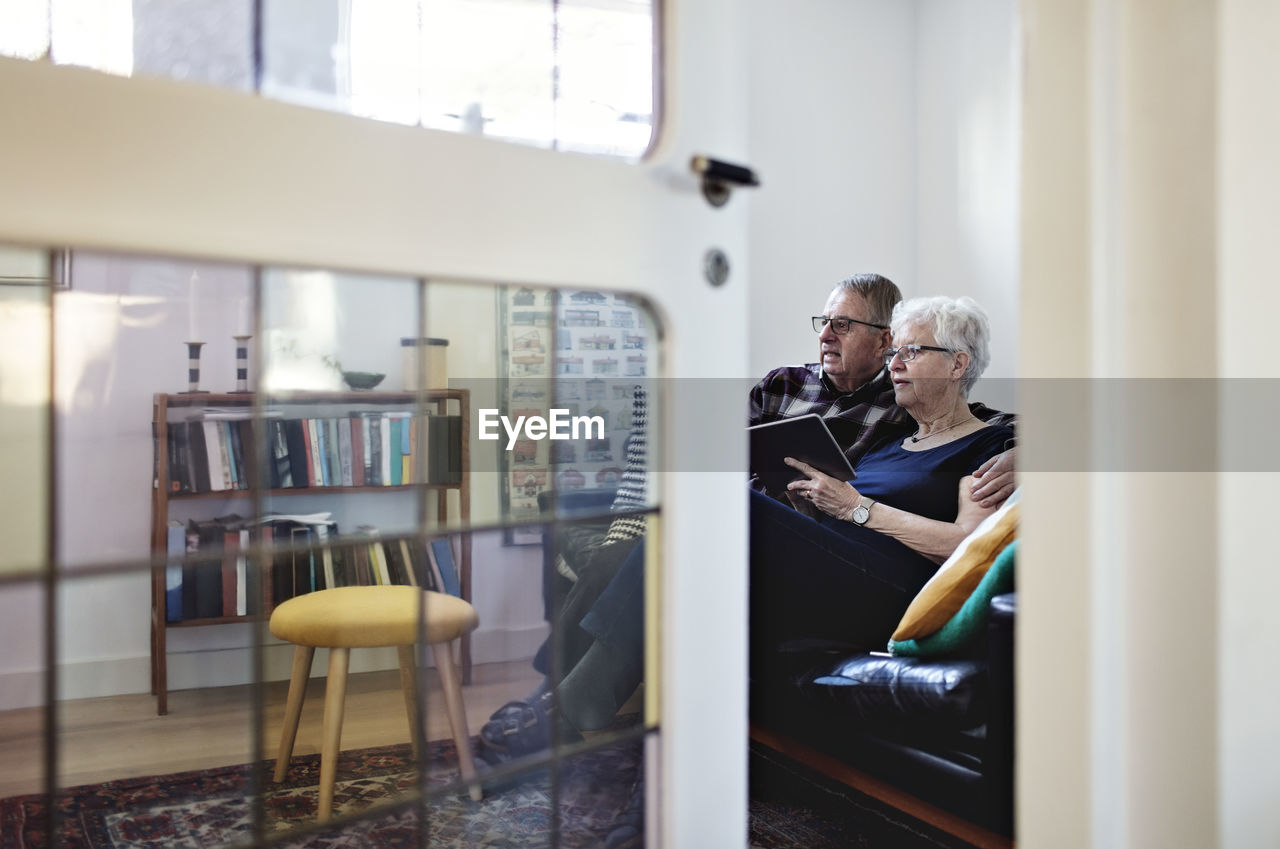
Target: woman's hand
{"points": [[830, 495]]}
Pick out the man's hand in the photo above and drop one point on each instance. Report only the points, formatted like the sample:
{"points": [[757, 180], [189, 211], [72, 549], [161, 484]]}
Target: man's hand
{"points": [[994, 480]]}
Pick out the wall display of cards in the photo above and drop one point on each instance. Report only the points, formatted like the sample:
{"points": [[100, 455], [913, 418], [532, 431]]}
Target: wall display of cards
{"points": [[581, 351]]}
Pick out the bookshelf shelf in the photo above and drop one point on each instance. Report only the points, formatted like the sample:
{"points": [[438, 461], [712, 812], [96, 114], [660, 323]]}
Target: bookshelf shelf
{"points": [[295, 491], [219, 620], [175, 484]]}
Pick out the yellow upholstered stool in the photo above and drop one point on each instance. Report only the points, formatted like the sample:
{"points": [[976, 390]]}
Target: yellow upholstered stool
{"points": [[344, 618]]}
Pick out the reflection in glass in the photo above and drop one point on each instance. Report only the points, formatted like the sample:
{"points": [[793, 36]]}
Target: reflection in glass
{"points": [[172, 501], [24, 407], [590, 356], [22, 698], [121, 337], [337, 450], [119, 770], [600, 795]]}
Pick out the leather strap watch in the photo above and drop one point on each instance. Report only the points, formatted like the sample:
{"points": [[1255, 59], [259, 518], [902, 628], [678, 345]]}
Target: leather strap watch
{"points": [[862, 512]]}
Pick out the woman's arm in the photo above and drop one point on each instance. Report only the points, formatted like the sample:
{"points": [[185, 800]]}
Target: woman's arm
{"points": [[935, 540], [930, 537]]}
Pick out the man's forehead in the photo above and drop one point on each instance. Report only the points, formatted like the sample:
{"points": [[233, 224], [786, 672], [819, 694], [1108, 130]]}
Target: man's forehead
{"points": [[847, 304]]}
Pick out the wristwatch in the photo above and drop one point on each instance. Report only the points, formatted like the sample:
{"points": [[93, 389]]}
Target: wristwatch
{"points": [[862, 512]]}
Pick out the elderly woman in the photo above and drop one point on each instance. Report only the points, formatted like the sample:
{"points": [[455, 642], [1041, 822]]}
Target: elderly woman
{"points": [[844, 563]]}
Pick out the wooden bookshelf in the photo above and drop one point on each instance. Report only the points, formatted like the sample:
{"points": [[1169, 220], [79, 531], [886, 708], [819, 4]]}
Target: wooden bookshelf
{"points": [[441, 402]]}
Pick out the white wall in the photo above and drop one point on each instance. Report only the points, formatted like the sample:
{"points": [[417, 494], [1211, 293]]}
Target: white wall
{"points": [[833, 138], [885, 134], [967, 125]]}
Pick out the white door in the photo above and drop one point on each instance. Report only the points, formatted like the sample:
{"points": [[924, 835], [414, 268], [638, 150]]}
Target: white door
{"points": [[158, 167]]}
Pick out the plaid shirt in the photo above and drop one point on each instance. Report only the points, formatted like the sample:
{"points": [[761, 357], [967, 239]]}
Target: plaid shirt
{"points": [[857, 419]]}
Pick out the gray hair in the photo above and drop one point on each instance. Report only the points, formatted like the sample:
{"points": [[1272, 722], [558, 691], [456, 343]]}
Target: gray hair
{"points": [[957, 323], [880, 293]]}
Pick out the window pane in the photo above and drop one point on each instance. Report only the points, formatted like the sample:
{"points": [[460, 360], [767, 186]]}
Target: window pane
{"points": [[303, 53], [385, 59], [202, 41], [604, 101], [94, 34], [24, 29], [169, 374], [24, 408], [488, 67], [22, 698], [575, 75]]}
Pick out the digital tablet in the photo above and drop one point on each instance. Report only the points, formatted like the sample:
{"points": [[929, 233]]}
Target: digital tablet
{"points": [[804, 438]]}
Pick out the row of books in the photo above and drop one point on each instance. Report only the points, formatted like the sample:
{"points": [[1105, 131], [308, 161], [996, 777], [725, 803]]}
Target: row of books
{"points": [[214, 451], [209, 575]]}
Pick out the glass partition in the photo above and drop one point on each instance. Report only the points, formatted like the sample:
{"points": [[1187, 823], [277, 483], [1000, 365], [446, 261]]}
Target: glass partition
{"points": [[25, 381], [23, 699], [243, 455]]}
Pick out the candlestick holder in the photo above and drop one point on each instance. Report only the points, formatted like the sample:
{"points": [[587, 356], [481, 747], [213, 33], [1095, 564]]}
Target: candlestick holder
{"points": [[193, 369], [242, 363]]}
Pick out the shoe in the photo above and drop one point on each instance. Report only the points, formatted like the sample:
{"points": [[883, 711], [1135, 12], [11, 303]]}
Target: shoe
{"points": [[628, 828], [519, 728]]}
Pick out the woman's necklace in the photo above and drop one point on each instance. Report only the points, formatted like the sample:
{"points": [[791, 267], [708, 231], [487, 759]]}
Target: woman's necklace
{"points": [[916, 439]]}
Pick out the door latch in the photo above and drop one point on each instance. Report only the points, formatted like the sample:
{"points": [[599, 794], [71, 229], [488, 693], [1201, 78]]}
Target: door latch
{"points": [[718, 178]]}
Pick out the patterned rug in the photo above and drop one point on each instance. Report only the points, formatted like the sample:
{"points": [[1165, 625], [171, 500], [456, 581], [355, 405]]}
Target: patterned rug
{"points": [[209, 808]]}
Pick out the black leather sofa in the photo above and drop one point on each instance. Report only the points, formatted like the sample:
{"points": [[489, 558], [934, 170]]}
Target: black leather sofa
{"points": [[942, 730]]}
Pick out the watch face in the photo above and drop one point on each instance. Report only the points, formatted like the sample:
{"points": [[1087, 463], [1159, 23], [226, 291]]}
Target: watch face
{"points": [[860, 515]]}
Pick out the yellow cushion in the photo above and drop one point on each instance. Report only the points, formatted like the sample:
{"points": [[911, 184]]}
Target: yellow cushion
{"points": [[956, 579], [371, 616]]}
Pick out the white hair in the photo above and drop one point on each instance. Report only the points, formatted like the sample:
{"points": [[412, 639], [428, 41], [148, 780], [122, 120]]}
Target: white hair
{"points": [[957, 323]]}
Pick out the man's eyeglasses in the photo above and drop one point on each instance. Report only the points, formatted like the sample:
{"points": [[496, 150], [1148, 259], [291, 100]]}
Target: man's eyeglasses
{"points": [[841, 325], [909, 352]]}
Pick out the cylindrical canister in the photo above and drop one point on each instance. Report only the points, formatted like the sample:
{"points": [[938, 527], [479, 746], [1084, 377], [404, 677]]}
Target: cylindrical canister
{"points": [[435, 351]]}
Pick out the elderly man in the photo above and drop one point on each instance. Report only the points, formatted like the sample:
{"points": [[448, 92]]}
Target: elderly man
{"points": [[850, 387]]}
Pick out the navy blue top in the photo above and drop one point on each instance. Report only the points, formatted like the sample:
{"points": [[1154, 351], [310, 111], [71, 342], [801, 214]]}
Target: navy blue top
{"points": [[926, 482]]}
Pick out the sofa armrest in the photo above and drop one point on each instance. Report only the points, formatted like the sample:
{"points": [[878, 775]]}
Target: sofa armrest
{"points": [[1000, 725], [564, 504]]}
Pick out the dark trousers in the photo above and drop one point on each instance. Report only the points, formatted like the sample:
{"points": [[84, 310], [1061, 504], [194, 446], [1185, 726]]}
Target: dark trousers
{"points": [[824, 581], [596, 570], [595, 654]]}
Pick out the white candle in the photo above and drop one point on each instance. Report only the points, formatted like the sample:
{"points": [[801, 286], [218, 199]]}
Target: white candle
{"points": [[191, 309], [244, 319]]}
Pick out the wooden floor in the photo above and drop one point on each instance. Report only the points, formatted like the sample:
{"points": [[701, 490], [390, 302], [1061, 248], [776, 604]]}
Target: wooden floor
{"points": [[121, 736]]}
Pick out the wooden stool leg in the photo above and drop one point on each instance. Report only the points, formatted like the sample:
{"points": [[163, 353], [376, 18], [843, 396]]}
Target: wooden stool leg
{"points": [[457, 716], [409, 684], [335, 693], [298, 680]]}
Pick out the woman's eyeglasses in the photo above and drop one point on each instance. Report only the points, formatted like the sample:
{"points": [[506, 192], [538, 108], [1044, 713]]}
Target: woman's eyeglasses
{"points": [[909, 352]]}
